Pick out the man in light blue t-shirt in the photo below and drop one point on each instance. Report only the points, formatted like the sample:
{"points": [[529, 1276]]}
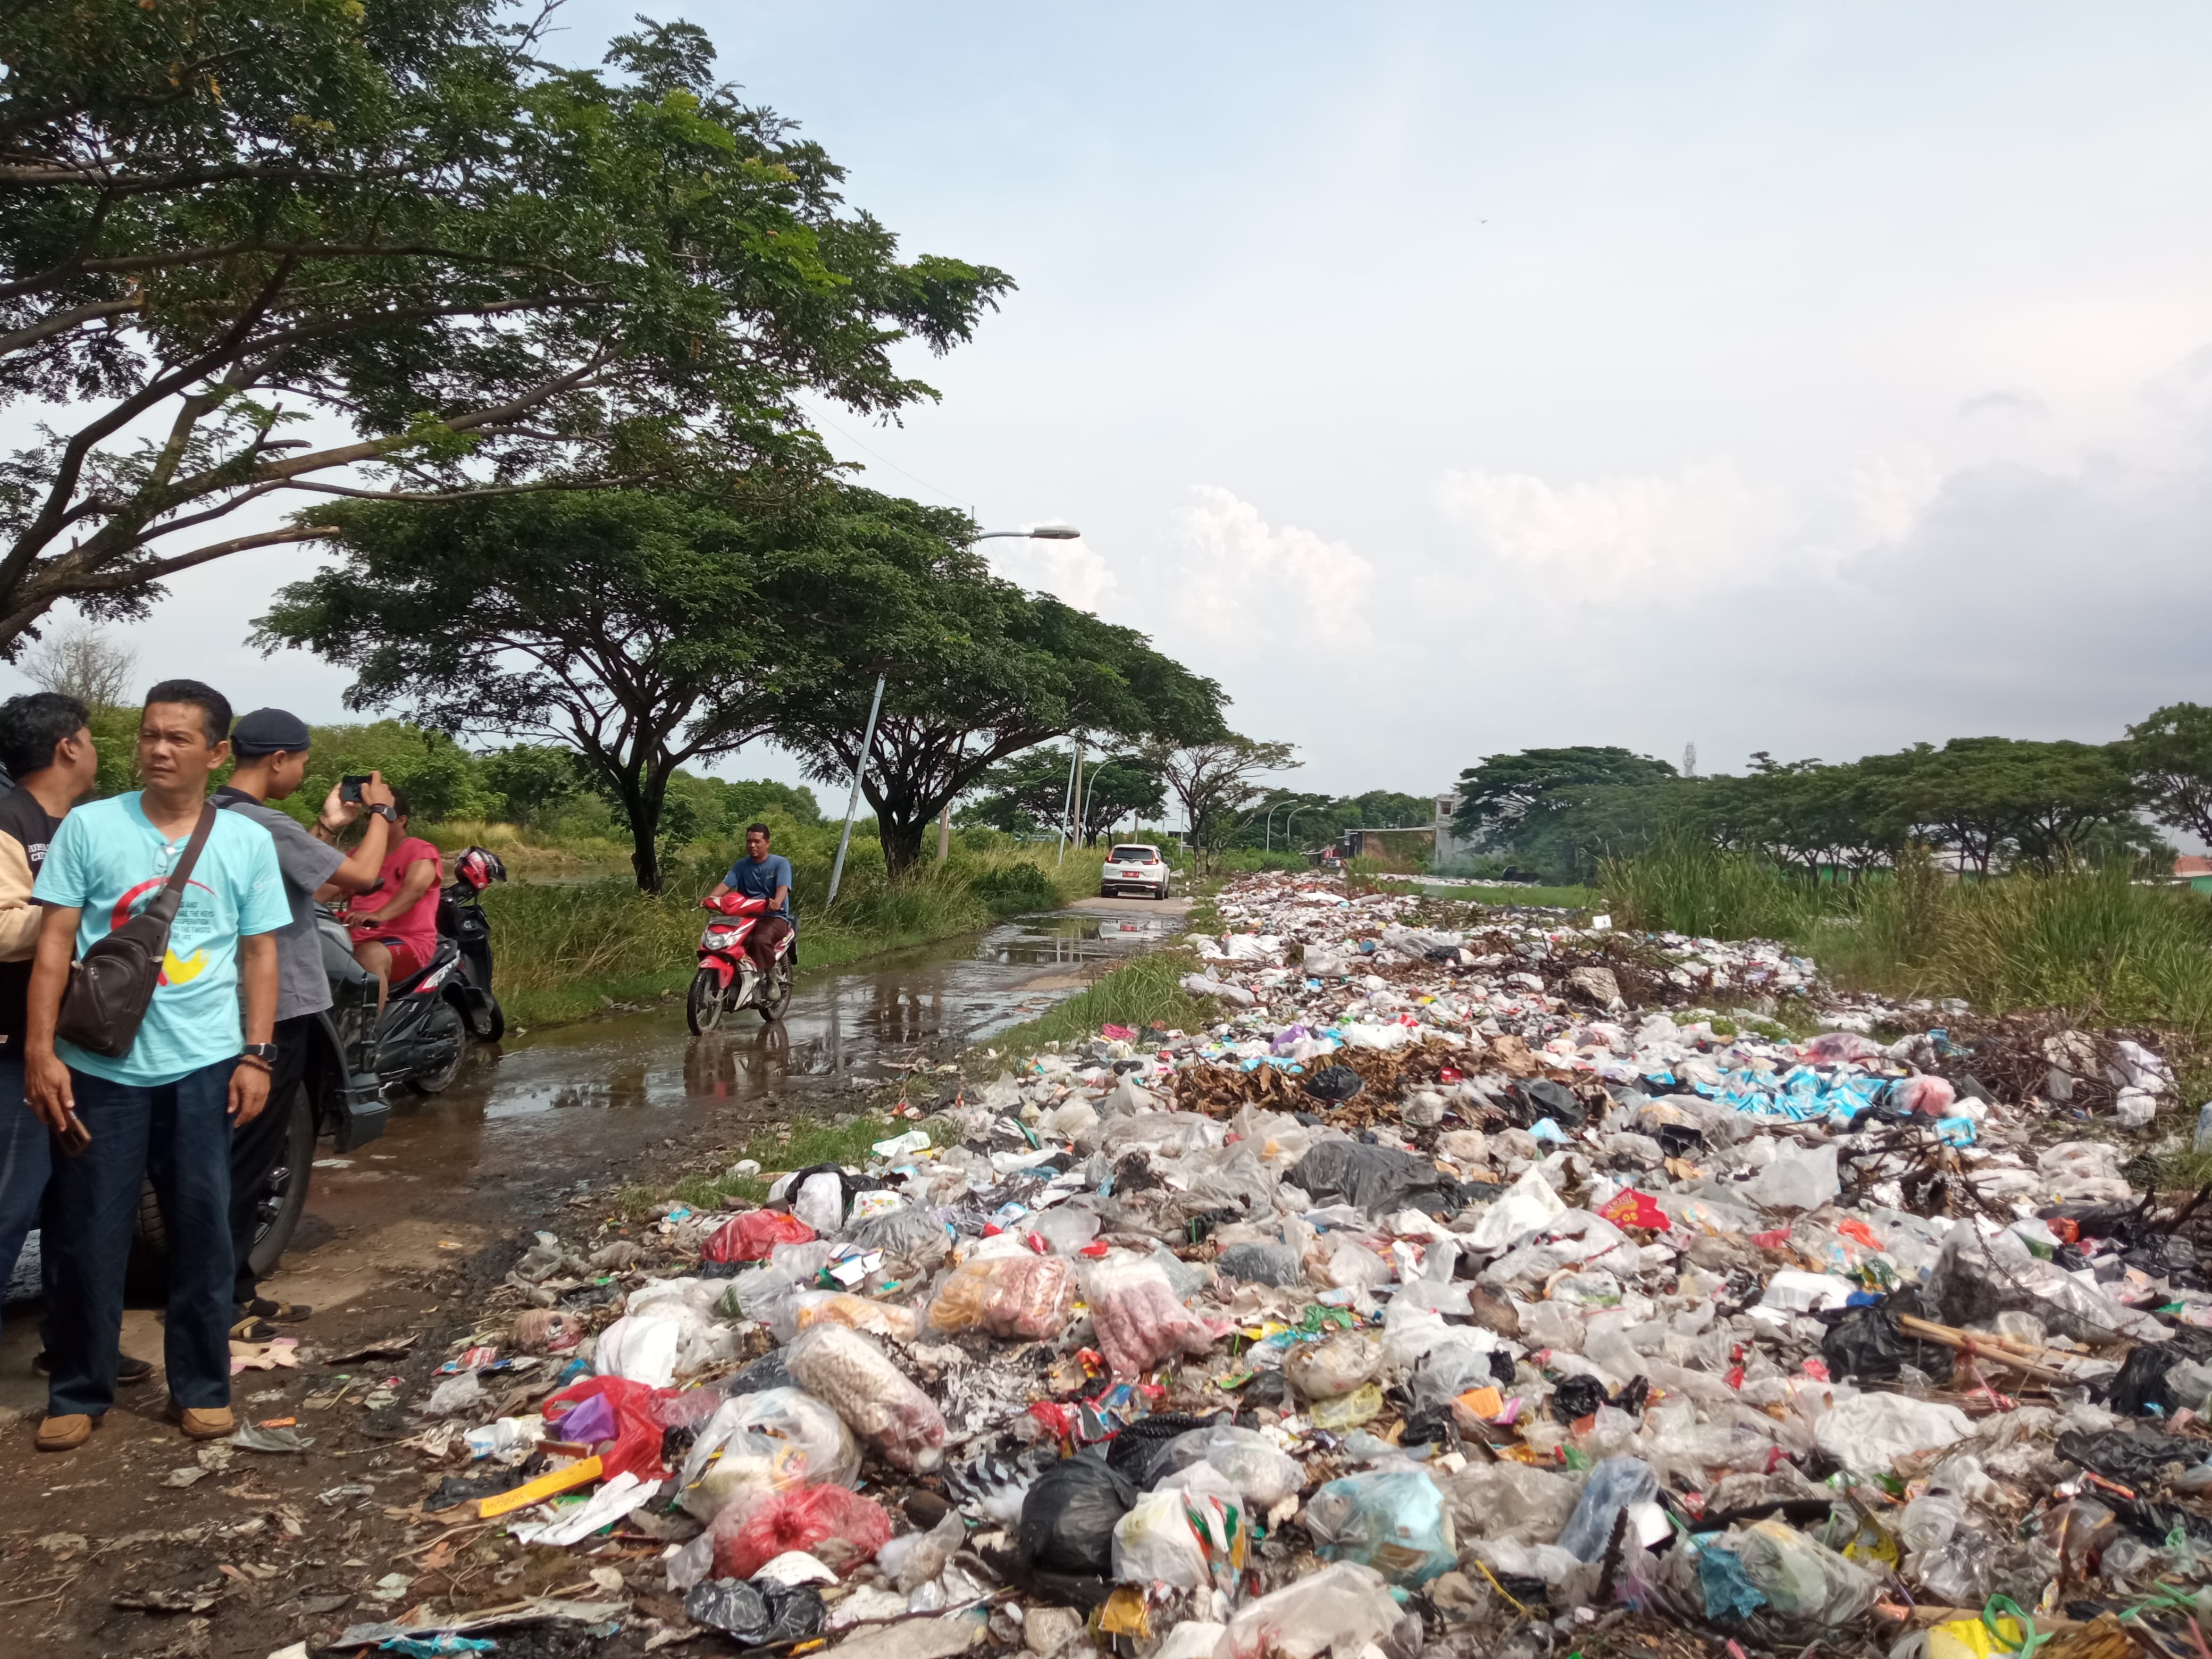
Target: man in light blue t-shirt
{"points": [[166, 1108], [762, 874]]}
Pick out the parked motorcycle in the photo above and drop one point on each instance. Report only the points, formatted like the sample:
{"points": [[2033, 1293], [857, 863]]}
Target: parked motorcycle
{"points": [[727, 979]]}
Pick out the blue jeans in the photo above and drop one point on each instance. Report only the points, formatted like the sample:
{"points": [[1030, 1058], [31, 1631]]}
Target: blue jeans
{"points": [[179, 1134], [26, 1150]]}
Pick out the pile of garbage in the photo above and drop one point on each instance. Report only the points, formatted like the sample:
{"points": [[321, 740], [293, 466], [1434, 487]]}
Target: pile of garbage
{"points": [[1473, 1291]]}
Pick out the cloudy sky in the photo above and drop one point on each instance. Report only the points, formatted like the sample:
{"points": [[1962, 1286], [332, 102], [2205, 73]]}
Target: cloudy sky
{"points": [[1447, 380]]}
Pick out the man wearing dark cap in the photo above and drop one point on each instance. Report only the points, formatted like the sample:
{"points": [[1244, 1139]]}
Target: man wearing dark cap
{"points": [[271, 746]]}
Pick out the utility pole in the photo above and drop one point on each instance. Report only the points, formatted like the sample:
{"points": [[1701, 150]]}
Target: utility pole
{"points": [[1066, 797], [852, 804], [1075, 824], [944, 833]]}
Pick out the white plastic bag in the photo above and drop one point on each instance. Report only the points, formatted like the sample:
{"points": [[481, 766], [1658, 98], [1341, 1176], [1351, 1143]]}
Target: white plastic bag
{"points": [[639, 1348], [1339, 1611], [1871, 1431]]}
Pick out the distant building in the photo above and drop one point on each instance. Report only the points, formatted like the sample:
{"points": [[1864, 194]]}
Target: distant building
{"points": [[2191, 870]]}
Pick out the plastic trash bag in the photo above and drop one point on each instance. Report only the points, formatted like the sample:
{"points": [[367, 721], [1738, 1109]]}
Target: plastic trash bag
{"points": [[1529, 1204], [1803, 1579], [1139, 1321], [802, 1309], [1375, 1178], [914, 1241], [837, 1526], [2142, 1385], [628, 1411], [878, 1402], [1800, 1178], [751, 1237], [1262, 1474], [757, 1615], [766, 1442], [1331, 1369], [1394, 1520], [639, 1348], [1339, 1610], [1154, 1543], [1016, 1297], [1278, 1265], [1066, 1529], [1615, 1483], [1512, 1501], [1870, 1432], [1866, 1343]]}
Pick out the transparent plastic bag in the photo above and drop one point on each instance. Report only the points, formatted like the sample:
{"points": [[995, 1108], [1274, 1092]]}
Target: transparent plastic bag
{"points": [[1278, 1265], [1803, 1578], [1140, 1322], [802, 1309], [1066, 1228], [1394, 1520], [1341, 1609], [1332, 1369], [1023, 1297], [1262, 1474], [847, 1369], [769, 1441], [913, 1240], [1153, 1543], [1615, 1483], [1512, 1501], [838, 1527]]}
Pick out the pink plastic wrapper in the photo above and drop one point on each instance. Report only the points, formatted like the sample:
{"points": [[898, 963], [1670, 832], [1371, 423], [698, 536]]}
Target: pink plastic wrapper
{"points": [[1141, 1323], [1932, 1097], [751, 1237], [1018, 1297], [849, 1373], [837, 1527]]}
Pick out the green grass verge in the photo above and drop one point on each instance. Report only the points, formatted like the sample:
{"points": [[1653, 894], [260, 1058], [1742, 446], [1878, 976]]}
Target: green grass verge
{"points": [[565, 951], [1140, 993]]}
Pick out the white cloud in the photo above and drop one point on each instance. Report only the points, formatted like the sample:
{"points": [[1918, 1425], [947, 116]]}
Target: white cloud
{"points": [[1241, 581], [1069, 570]]}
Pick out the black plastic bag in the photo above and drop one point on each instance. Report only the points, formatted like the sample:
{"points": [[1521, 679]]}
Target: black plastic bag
{"points": [[1376, 1179], [1865, 1342], [848, 1185], [1541, 1098], [1069, 1519], [2136, 1458], [1576, 1397], [2168, 1256], [767, 1372], [1261, 1264], [756, 1613], [2142, 1382], [1136, 1451], [1681, 1140], [457, 1489], [1335, 1084]]}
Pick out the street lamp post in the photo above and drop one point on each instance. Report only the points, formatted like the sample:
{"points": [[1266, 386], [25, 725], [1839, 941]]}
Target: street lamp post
{"points": [[1052, 532]]}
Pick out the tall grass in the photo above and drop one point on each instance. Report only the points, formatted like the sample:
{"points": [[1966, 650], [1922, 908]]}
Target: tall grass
{"points": [[1139, 993], [2093, 944], [564, 949], [1684, 884]]}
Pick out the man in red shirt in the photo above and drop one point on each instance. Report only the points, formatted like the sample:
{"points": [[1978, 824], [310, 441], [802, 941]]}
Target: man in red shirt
{"points": [[395, 923]]}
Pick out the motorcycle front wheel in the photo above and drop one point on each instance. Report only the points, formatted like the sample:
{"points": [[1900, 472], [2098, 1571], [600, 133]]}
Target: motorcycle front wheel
{"points": [[702, 1009]]}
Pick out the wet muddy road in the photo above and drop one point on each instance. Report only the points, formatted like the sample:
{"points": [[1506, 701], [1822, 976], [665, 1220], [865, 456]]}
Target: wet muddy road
{"points": [[401, 1240], [567, 1113]]}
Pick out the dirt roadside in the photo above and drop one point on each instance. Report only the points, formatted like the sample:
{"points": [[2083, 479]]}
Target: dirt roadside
{"points": [[143, 1544]]}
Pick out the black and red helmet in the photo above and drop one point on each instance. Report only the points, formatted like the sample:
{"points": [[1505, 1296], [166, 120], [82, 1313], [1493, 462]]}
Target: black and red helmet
{"points": [[480, 866]]}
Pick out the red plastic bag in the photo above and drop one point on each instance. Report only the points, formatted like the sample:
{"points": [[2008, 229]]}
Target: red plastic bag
{"points": [[1633, 1209], [635, 1447], [838, 1528], [751, 1237]]}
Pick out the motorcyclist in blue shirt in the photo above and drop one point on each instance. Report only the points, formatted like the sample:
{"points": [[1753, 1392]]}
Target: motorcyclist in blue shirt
{"points": [[763, 875]]}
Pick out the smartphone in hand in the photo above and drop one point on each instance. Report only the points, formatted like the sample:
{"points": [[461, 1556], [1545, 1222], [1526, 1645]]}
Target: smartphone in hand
{"points": [[349, 786], [72, 1137]]}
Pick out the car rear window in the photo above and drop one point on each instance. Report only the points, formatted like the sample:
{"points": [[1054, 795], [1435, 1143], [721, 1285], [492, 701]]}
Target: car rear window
{"points": [[1134, 854]]}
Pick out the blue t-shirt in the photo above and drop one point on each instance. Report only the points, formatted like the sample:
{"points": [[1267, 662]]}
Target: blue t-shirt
{"points": [[108, 861], [761, 880]]}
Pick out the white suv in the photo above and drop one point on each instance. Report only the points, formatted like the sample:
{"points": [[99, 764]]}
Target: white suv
{"points": [[1133, 867]]}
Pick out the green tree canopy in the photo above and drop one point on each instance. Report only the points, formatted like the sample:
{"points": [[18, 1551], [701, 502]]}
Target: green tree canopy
{"points": [[2169, 755], [976, 669], [254, 247], [642, 630]]}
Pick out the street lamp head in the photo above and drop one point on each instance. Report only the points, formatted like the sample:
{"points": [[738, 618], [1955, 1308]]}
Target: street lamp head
{"points": [[1055, 532]]}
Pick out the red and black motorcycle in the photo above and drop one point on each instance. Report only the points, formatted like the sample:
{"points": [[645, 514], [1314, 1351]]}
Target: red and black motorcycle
{"points": [[728, 979]]}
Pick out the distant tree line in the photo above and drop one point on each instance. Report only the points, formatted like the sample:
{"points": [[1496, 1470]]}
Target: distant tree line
{"points": [[1990, 805]]}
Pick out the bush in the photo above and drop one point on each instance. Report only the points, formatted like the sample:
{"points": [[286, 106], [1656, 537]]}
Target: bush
{"points": [[1684, 884], [1013, 888]]}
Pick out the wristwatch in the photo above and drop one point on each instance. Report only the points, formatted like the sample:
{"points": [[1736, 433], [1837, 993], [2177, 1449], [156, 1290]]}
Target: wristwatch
{"points": [[380, 811], [262, 1051]]}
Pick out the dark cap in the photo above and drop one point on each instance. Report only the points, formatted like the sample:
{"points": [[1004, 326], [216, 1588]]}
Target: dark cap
{"points": [[266, 730]]}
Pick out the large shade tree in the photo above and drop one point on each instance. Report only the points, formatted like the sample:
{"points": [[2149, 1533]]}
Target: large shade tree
{"points": [[643, 630], [976, 669], [250, 248]]}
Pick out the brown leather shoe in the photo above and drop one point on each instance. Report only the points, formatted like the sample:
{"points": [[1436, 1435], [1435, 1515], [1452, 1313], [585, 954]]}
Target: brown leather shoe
{"points": [[65, 1433], [208, 1423]]}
